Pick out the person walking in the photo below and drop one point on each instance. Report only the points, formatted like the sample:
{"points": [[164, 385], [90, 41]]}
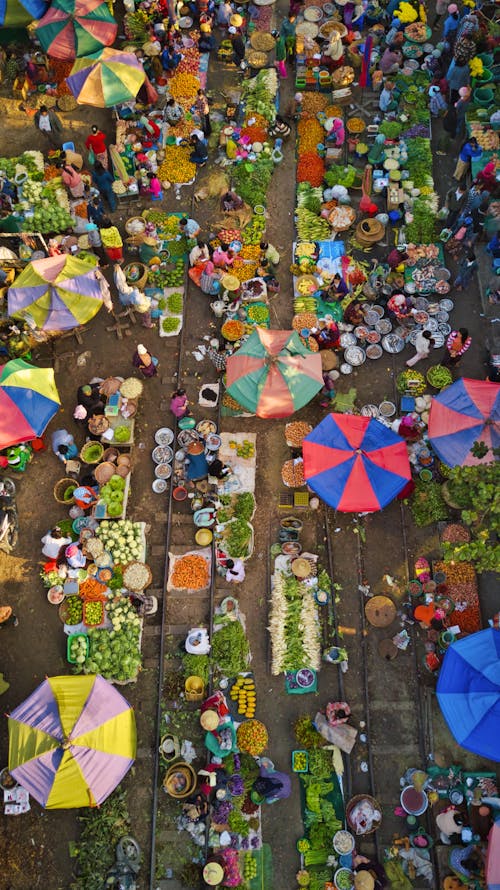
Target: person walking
{"points": [[145, 362], [423, 343], [238, 46], [49, 125], [455, 203], [202, 108], [466, 269], [111, 241], [103, 179], [457, 344], [96, 143], [470, 149], [280, 53]]}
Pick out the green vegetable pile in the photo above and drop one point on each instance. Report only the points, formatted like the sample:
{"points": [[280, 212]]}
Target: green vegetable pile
{"points": [[412, 382], [167, 277], [114, 654], [122, 434], [170, 324], [423, 229], [74, 609], [427, 504], [175, 303], [93, 613], [249, 867], [252, 233], [196, 666], [237, 537], [311, 227], [258, 98], [251, 181], [230, 649], [258, 314], [121, 539], [337, 175], [112, 494], [244, 505], [78, 649], [391, 129], [102, 828], [439, 376], [122, 614]]}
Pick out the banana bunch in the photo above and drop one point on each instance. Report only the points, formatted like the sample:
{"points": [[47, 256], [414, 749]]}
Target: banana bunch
{"points": [[304, 304], [311, 227]]}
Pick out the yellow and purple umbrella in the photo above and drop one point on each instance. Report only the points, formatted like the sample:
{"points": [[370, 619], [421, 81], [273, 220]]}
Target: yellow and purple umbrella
{"points": [[28, 400], [106, 78], [72, 28], [273, 374], [56, 294], [72, 741]]}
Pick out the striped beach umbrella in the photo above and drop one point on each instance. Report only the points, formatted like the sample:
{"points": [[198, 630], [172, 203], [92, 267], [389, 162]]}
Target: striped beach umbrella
{"points": [[28, 400], [273, 374], [106, 78], [55, 294], [73, 28], [72, 741]]}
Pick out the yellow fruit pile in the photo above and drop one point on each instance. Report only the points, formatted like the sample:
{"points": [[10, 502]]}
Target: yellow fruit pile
{"points": [[243, 271], [176, 166], [250, 252], [310, 134], [184, 86], [243, 692]]}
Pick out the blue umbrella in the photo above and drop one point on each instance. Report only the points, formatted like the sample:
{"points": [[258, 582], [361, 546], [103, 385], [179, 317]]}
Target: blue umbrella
{"points": [[468, 692]]}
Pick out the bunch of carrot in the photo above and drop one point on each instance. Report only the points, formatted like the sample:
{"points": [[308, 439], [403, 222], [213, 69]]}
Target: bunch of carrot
{"points": [[190, 573], [311, 169]]}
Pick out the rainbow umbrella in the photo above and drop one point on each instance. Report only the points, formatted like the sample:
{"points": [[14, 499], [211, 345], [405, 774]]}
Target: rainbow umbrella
{"points": [[106, 78], [19, 13], [273, 374], [464, 413], [355, 464], [55, 294], [72, 741], [28, 400], [72, 28]]}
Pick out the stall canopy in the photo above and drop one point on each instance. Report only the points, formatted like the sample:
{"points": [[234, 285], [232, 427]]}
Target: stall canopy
{"points": [[72, 741], [273, 374], [55, 294], [106, 78], [72, 28], [492, 871], [28, 400], [355, 464], [466, 412], [468, 692], [17, 14]]}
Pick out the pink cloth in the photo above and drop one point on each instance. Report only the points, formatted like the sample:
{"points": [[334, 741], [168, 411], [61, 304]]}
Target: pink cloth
{"points": [[155, 187], [178, 405]]}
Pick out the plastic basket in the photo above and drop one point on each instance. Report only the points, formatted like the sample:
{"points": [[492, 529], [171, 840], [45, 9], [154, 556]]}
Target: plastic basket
{"points": [[72, 637], [86, 621], [295, 768]]}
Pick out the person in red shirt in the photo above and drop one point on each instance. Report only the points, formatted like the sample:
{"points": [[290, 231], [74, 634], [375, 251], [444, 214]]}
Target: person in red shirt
{"points": [[97, 142]]}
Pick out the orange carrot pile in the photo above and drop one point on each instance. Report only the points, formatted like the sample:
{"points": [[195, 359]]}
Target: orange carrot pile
{"points": [[92, 590], [310, 169], [190, 573]]}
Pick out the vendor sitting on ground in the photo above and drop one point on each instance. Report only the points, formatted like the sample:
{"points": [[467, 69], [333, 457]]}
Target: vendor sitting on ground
{"points": [[223, 257], [235, 571], [63, 445], [387, 101], [189, 228], [400, 307], [327, 337], [272, 785], [231, 201], [353, 314], [391, 60], [268, 252], [199, 254], [199, 154], [280, 128], [219, 469], [337, 290], [336, 134], [173, 112], [89, 396]]}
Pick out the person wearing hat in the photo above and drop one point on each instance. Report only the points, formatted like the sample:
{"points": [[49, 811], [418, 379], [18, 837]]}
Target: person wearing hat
{"points": [[487, 177], [148, 249], [96, 142], [206, 42], [353, 313], [370, 874], [470, 149], [238, 46], [7, 617], [145, 362], [437, 102], [451, 23]]}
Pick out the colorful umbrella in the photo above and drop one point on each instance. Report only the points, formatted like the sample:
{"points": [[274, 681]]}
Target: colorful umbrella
{"points": [[72, 741], [273, 374], [56, 294], [28, 400], [355, 464], [468, 692], [106, 78], [493, 858], [466, 412], [72, 28], [18, 13]]}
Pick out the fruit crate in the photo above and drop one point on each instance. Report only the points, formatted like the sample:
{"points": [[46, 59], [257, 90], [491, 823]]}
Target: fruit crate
{"points": [[72, 637], [86, 621], [296, 765]]}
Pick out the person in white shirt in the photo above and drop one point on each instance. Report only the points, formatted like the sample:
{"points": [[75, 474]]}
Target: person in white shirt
{"points": [[235, 571], [423, 343], [53, 541]]}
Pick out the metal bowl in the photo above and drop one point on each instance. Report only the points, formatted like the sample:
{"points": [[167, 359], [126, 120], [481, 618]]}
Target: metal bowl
{"points": [[159, 486], [378, 309], [164, 436], [162, 454], [374, 350], [347, 340], [371, 317], [446, 304], [163, 471], [384, 326], [345, 368], [355, 356], [393, 344], [370, 411]]}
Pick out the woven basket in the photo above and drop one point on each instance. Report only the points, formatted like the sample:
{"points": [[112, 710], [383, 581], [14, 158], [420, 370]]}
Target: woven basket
{"points": [[170, 781], [148, 576], [350, 806], [262, 41], [135, 219], [141, 281], [104, 472], [256, 59], [59, 489]]}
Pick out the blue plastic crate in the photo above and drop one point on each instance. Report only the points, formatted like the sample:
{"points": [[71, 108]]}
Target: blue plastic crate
{"points": [[407, 404]]}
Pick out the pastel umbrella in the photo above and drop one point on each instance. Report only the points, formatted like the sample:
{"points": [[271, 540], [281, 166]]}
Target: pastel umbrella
{"points": [[355, 464], [106, 78], [28, 400], [72, 741], [56, 294], [18, 13], [468, 692], [492, 870], [273, 374], [72, 28], [466, 412]]}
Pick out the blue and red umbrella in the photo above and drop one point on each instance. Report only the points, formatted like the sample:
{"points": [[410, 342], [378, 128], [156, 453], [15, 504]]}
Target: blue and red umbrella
{"points": [[466, 412], [355, 464]]}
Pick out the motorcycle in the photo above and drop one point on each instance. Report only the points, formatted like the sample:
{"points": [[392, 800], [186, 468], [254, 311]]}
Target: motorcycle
{"points": [[9, 527]]}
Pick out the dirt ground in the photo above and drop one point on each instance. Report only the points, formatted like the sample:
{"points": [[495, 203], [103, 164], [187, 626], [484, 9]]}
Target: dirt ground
{"points": [[36, 846]]}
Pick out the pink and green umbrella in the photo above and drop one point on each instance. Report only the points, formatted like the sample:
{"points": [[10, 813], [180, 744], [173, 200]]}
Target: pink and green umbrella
{"points": [[56, 293], [106, 78], [273, 374], [72, 741], [72, 28]]}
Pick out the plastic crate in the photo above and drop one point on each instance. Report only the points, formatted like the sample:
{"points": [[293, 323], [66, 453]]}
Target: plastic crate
{"points": [[301, 499], [72, 637], [407, 404], [297, 769], [85, 621]]}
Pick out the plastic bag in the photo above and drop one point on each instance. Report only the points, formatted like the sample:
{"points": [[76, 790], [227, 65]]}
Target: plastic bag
{"points": [[91, 157]]}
